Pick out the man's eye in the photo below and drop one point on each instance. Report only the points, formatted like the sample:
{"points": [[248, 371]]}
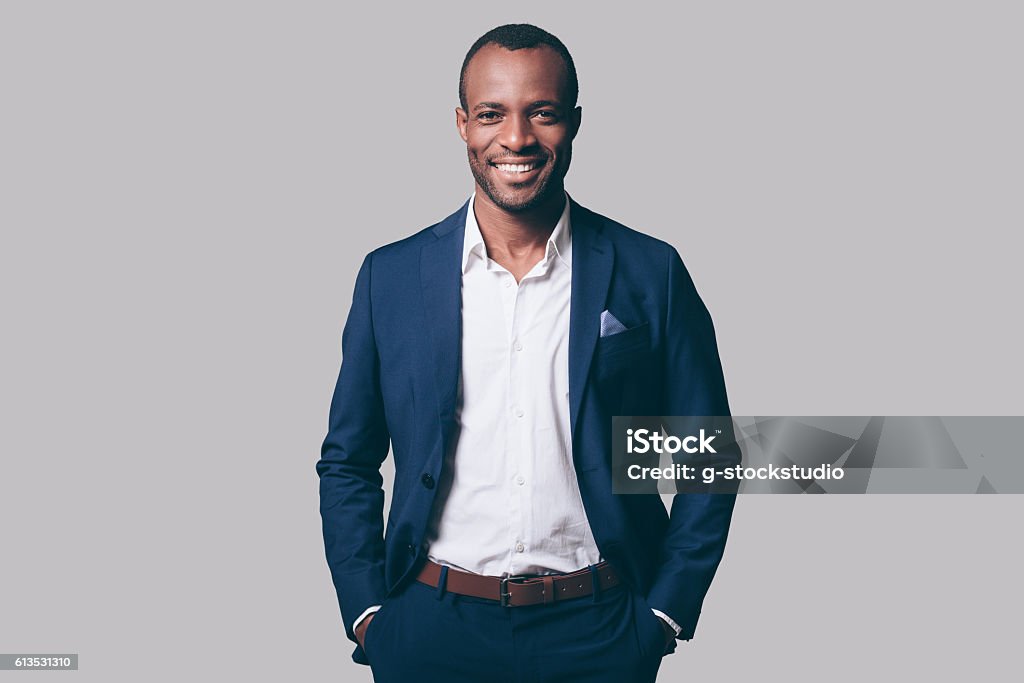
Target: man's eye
{"points": [[488, 116], [546, 115]]}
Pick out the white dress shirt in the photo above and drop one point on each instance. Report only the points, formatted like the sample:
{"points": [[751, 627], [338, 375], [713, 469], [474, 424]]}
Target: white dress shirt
{"points": [[509, 502]]}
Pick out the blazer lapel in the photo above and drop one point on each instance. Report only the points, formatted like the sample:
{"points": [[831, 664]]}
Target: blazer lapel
{"points": [[441, 281], [592, 260]]}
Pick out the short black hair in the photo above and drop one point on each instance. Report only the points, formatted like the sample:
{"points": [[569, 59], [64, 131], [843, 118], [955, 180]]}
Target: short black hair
{"points": [[516, 37]]}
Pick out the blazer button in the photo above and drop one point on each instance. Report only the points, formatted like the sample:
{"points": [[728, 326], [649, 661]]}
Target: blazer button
{"points": [[412, 550], [428, 481]]}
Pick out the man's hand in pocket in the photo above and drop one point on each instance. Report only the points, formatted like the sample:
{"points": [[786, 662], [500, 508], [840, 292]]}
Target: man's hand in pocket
{"points": [[360, 630]]}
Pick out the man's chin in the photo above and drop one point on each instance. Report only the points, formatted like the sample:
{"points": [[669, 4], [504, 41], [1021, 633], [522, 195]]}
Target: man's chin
{"points": [[519, 200], [517, 204]]}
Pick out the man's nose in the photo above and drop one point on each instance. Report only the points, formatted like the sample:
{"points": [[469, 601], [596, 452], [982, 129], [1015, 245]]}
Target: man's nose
{"points": [[517, 134]]}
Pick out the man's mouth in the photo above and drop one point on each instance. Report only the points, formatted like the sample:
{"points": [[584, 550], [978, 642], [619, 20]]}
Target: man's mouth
{"points": [[517, 169]]}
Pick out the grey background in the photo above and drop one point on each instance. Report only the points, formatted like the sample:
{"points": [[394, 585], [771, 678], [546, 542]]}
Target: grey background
{"points": [[188, 189]]}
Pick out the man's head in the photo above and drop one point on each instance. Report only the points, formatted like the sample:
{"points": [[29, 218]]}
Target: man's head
{"points": [[518, 91]]}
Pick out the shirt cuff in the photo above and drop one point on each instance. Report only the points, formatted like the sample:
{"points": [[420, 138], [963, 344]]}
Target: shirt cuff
{"points": [[661, 615], [370, 610]]}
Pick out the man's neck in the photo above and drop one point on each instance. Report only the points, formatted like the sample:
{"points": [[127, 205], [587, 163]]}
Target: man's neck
{"points": [[517, 241]]}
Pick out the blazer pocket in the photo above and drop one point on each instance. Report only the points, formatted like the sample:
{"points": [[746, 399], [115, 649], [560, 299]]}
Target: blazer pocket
{"points": [[634, 339]]}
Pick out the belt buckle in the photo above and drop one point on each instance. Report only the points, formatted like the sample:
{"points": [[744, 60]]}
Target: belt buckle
{"points": [[505, 595]]}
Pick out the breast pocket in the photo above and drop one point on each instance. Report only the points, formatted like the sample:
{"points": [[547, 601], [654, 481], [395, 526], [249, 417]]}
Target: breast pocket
{"points": [[615, 353]]}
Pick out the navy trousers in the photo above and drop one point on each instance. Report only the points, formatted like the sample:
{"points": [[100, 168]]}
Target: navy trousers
{"points": [[423, 634]]}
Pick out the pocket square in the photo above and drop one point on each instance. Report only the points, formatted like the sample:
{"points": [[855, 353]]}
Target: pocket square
{"points": [[610, 324]]}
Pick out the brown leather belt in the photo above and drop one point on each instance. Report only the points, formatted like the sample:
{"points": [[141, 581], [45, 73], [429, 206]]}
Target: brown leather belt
{"points": [[519, 591]]}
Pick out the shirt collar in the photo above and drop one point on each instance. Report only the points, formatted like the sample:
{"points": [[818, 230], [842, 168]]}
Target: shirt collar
{"points": [[559, 243]]}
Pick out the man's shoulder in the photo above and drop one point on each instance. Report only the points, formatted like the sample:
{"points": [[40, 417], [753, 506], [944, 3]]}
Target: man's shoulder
{"points": [[623, 237], [410, 246]]}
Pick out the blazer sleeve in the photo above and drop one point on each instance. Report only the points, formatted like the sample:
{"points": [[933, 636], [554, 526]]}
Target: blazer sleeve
{"points": [[699, 522], [351, 493]]}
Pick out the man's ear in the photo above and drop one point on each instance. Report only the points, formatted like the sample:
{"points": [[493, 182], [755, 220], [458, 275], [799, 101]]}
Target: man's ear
{"points": [[461, 122], [577, 119]]}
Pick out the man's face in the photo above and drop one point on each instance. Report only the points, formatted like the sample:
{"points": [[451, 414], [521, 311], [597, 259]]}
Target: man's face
{"points": [[518, 128]]}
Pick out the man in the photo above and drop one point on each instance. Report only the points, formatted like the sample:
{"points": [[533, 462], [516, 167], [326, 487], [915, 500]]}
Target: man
{"points": [[491, 351]]}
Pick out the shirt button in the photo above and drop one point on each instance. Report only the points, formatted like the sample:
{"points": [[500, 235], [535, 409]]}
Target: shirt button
{"points": [[427, 480], [508, 283], [517, 346], [520, 547], [519, 412], [520, 480]]}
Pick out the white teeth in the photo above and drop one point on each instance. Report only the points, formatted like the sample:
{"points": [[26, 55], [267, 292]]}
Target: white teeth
{"points": [[515, 168]]}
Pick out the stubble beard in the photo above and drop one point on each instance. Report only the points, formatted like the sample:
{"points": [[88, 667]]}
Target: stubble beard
{"points": [[546, 186]]}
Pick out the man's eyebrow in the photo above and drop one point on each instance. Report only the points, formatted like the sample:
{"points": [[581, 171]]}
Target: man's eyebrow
{"points": [[536, 104]]}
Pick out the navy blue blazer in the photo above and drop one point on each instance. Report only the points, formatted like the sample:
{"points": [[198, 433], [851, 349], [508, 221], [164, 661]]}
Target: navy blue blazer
{"points": [[398, 386]]}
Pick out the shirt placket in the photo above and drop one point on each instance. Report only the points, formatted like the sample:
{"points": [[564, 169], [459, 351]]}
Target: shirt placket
{"points": [[530, 294], [516, 419]]}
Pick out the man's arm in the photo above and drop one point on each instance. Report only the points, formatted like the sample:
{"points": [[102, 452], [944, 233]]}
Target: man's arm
{"points": [[351, 494], [699, 524]]}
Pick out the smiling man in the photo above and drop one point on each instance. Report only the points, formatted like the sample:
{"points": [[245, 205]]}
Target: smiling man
{"points": [[490, 352]]}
